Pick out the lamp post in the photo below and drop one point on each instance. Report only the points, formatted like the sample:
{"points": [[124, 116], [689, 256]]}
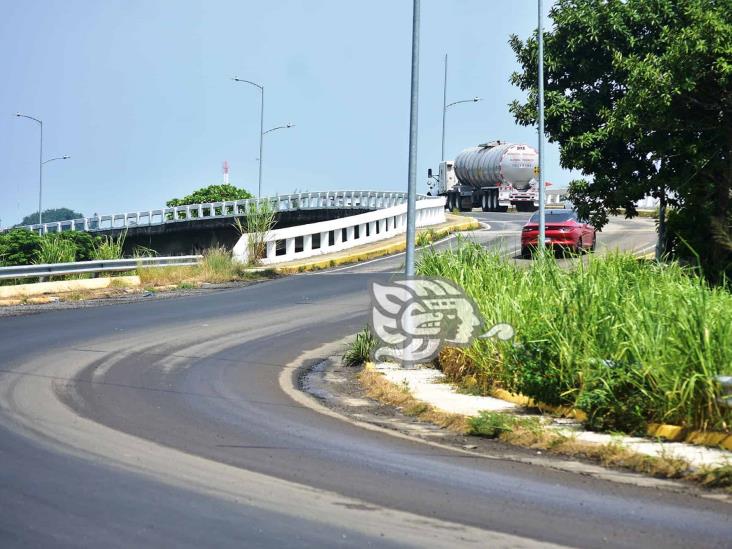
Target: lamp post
{"points": [[40, 163], [542, 191], [261, 128], [412, 171], [446, 106]]}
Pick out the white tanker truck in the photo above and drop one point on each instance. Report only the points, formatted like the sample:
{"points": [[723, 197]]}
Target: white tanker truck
{"points": [[491, 176]]}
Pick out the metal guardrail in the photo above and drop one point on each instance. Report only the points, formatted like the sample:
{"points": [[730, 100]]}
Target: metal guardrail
{"points": [[291, 202], [100, 266]]}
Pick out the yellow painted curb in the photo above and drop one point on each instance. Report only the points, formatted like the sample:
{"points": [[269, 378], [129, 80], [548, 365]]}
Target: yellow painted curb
{"points": [[521, 400], [672, 433], [61, 286], [467, 225], [676, 433]]}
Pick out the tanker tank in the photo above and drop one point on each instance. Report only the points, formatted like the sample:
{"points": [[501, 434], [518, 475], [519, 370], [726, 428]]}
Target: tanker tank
{"points": [[497, 164]]}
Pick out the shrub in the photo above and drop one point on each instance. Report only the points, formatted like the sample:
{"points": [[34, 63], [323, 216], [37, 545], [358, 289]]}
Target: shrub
{"points": [[19, 247], [83, 243]]}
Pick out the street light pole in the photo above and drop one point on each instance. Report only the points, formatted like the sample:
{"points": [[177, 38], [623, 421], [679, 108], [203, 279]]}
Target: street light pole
{"points": [[542, 213], [261, 128], [412, 172], [444, 111], [40, 164]]}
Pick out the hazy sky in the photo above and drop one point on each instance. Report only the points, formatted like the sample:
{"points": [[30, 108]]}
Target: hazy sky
{"points": [[138, 92]]}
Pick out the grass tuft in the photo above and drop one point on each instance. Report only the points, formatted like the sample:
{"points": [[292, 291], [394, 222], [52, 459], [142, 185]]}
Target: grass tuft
{"points": [[360, 349]]}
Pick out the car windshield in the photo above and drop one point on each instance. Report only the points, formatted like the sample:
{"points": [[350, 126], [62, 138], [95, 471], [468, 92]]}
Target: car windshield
{"points": [[552, 216]]}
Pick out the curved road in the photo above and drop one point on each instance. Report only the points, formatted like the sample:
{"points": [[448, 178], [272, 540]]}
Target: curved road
{"points": [[163, 423]]}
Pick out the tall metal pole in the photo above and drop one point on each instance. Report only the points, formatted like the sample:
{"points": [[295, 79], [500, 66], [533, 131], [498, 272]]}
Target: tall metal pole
{"points": [[444, 110], [412, 177], [542, 214], [261, 129], [40, 179], [261, 141], [40, 164]]}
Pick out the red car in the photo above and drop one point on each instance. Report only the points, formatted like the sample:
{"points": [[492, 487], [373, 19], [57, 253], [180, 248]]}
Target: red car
{"points": [[563, 229]]}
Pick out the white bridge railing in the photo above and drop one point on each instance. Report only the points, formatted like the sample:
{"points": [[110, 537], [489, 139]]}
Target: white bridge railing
{"points": [[193, 212], [326, 237]]}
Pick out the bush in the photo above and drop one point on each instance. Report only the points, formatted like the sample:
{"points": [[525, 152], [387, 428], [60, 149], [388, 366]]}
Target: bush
{"points": [[18, 247]]}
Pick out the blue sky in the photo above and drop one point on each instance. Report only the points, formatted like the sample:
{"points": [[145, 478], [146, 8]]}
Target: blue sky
{"points": [[138, 92]]}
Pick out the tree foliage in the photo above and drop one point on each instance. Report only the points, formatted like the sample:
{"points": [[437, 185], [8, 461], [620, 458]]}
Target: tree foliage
{"points": [[639, 97], [18, 247], [52, 215], [212, 193], [23, 247]]}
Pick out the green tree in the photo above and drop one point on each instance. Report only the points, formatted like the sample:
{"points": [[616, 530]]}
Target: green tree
{"points": [[212, 193], [52, 215], [639, 98]]}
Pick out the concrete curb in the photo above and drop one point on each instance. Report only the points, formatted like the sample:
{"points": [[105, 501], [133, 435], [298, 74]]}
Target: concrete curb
{"points": [[671, 433], [62, 286], [325, 263]]}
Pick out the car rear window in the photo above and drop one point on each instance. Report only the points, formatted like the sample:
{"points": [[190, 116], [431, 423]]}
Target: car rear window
{"points": [[555, 216]]}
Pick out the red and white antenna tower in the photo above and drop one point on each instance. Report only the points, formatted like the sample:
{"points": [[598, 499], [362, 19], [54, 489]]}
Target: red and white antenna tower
{"points": [[226, 172]]}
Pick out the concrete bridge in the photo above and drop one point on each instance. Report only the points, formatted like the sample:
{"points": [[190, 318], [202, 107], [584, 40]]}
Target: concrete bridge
{"points": [[196, 227]]}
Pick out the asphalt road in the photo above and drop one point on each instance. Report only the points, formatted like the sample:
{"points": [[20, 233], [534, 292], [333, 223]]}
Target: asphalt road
{"points": [[162, 423]]}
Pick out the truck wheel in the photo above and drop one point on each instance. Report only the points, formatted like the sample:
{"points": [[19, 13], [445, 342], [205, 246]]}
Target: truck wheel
{"points": [[489, 201], [466, 203]]}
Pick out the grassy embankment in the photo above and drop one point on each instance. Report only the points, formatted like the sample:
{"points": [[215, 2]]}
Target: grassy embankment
{"points": [[628, 342]]}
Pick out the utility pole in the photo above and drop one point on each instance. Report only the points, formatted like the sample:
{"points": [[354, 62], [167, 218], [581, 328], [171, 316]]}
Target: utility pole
{"points": [[412, 172], [542, 213], [261, 128], [444, 111]]}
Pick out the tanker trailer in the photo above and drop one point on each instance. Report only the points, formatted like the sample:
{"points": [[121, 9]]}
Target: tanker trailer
{"points": [[491, 176]]}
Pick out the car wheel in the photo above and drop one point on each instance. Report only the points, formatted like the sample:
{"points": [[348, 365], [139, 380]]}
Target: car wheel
{"points": [[525, 252]]}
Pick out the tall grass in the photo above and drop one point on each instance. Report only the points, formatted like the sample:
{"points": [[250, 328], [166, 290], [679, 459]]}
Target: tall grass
{"points": [[109, 247], [54, 249], [260, 220], [217, 266], [625, 340]]}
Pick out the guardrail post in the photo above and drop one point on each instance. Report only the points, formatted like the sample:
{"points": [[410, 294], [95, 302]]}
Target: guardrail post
{"points": [[372, 230]]}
